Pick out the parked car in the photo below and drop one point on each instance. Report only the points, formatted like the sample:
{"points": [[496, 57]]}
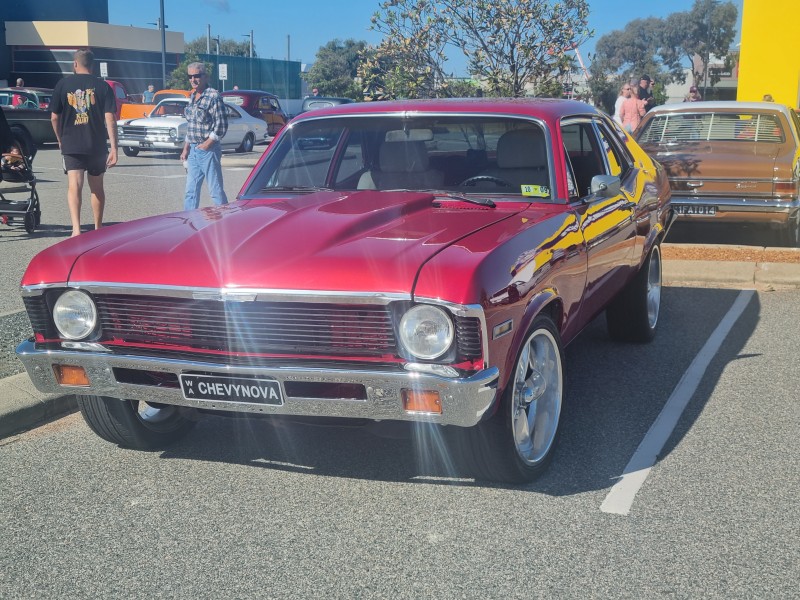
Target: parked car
{"points": [[261, 105], [165, 129], [315, 102], [26, 97], [730, 163], [421, 261], [136, 110], [31, 127]]}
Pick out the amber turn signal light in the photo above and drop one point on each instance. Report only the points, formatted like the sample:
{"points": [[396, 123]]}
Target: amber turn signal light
{"points": [[424, 401], [69, 375]]}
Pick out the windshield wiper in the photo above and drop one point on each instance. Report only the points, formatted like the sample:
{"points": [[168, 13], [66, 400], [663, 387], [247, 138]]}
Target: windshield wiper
{"points": [[296, 188], [460, 197]]}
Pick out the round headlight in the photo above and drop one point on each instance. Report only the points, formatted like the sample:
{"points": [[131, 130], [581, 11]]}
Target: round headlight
{"points": [[426, 331], [75, 315], [173, 133]]}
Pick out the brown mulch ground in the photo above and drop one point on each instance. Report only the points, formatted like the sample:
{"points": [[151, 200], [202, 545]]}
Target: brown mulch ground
{"points": [[730, 253]]}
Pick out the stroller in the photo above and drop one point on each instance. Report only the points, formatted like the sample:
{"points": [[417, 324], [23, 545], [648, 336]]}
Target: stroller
{"points": [[19, 200]]}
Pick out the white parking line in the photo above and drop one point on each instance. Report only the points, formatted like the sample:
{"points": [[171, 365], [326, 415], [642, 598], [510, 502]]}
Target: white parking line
{"points": [[620, 498]]}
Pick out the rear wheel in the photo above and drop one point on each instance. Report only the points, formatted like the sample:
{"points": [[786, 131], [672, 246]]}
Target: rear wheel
{"points": [[247, 144], [633, 314], [135, 424], [130, 151], [517, 443], [30, 222]]}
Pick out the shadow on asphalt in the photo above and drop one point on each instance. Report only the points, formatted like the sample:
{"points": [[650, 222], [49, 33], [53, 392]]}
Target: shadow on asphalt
{"points": [[614, 392], [44, 231]]}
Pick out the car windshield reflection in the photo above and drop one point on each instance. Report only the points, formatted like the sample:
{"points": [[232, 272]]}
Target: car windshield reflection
{"points": [[464, 154]]}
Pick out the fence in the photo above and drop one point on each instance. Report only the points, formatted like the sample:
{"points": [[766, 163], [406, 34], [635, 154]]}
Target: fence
{"points": [[278, 77]]}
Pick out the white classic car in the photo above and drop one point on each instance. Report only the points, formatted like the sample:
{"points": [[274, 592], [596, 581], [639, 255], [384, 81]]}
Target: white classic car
{"points": [[164, 129]]}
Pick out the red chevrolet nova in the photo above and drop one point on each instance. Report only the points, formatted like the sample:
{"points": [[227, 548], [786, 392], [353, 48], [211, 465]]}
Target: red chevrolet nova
{"points": [[416, 261]]}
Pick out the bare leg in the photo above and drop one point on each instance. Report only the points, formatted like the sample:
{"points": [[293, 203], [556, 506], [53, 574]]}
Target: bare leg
{"points": [[98, 198], [74, 193]]}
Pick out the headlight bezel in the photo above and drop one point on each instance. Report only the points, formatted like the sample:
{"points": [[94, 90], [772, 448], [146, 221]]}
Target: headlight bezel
{"points": [[66, 314], [443, 321]]}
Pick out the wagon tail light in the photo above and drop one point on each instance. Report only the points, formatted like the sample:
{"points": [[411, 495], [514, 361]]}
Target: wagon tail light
{"points": [[787, 188]]}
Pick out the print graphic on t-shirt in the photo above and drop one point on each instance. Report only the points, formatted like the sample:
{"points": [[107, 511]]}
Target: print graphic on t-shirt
{"points": [[81, 101]]}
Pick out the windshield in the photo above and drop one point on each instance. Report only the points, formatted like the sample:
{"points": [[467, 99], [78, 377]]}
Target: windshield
{"points": [[712, 127], [169, 108], [464, 153]]}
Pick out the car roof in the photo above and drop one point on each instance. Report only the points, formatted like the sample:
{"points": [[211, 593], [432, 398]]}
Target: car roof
{"points": [[541, 107], [719, 105], [247, 93], [36, 90]]}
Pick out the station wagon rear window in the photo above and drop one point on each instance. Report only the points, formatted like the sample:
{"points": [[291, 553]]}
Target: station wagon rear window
{"points": [[465, 153], [713, 126]]}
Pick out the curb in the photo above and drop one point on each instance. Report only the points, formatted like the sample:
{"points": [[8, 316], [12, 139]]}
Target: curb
{"points": [[23, 407]]}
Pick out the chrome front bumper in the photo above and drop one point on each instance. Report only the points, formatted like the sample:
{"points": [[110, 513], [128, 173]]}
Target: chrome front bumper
{"points": [[464, 400], [151, 144]]}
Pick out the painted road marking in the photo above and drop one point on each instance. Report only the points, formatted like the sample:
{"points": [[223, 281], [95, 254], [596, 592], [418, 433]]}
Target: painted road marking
{"points": [[620, 498]]}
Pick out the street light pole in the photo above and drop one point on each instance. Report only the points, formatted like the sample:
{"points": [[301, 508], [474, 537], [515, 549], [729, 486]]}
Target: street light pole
{"points": [[250, 62], [163, 47]]}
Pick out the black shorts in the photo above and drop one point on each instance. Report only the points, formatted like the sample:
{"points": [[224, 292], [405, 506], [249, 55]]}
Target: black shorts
{"points": [[94, 164]]}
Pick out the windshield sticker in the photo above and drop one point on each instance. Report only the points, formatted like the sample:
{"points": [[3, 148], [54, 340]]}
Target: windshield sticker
{"points": [[537, 191]]}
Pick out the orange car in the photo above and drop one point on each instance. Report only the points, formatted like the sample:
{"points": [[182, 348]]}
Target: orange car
{"points": [[138, 110]]}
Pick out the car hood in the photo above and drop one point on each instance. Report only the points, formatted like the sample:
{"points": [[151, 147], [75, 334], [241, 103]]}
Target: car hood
{"points": [[325, 241], [154, 122]]}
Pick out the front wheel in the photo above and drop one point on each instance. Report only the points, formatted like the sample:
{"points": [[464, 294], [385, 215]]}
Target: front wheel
{"points": [[130, 151], [517, 443], [247, 144], [633, 315], [134, 424]]}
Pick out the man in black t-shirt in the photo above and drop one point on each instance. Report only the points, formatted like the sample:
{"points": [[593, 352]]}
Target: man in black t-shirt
{"points": [[646, 92], [83, 116]]}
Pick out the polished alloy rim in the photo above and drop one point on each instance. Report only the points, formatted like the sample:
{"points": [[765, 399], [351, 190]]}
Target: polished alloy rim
{"points": [[654, 287], [536, 406], [156, 417]]}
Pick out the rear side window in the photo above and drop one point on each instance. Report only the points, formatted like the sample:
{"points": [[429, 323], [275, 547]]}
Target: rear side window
{"points": [[723, 126]]}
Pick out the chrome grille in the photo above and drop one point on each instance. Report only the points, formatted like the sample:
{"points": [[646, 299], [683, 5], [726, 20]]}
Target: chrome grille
{"points": [[248, 327]]}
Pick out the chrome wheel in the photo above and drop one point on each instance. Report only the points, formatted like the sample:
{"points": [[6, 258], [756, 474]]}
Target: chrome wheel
{"points": [[654, 287], [536, 397], [157, 417]]}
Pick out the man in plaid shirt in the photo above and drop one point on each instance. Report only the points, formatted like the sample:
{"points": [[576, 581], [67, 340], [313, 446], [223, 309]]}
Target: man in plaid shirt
{"points": [[202, 151]]}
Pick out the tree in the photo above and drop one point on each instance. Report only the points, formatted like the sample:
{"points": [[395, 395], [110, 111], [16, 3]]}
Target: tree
{"points": [[512, 46], [335, 69], [707, 30], [227, 47]]}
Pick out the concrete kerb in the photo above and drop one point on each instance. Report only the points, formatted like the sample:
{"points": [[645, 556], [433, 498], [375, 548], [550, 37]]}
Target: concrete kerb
{"points": [[22, 406]]}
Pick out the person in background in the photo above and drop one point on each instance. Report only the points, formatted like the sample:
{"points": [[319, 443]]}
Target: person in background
{"points": [[767, 98], [693, 95], [83, 114], [632, 111], [315, 92], [624, 93], [148, 94], [236, 87], [202, 152], [645, 92], [20, 82]]}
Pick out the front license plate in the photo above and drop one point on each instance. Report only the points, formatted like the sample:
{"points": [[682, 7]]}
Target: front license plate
{"points": [[145, 145], [231, 389], [699, 209]]}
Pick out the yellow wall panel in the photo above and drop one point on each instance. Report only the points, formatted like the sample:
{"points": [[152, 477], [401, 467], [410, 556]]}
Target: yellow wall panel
{"points": [[769, 60]]}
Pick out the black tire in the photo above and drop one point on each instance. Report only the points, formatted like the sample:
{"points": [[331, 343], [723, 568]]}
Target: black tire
{"points": [[633, 315], [505, 448], [30, 222], [133, 424], [130, 151], [247, 144], [790, 235]]}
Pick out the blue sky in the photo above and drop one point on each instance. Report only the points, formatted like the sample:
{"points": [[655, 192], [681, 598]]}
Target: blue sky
{"points": [[299, 27]]}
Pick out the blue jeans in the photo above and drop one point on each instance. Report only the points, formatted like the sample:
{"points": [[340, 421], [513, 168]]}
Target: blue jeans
{"points": [[204, 164]]}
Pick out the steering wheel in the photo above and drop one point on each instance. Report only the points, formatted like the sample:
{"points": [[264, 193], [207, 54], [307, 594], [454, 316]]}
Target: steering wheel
{"points": [[471, 181]]}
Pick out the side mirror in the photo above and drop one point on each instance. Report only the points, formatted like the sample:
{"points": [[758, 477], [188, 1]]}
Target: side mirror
{"points": [[605, 185]]}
